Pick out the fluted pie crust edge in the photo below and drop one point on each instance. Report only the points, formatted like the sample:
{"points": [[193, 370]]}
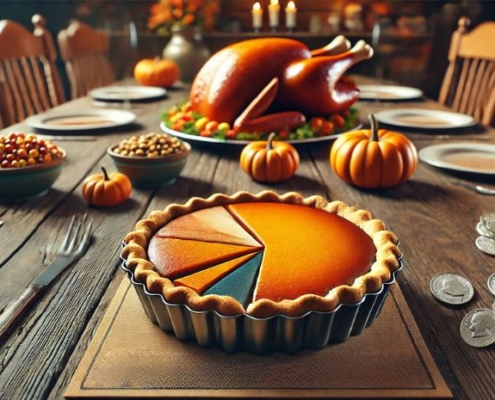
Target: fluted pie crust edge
{"points": [[388, 254]]}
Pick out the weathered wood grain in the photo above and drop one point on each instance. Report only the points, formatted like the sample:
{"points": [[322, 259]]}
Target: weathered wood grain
{"points": [[434, 221]]}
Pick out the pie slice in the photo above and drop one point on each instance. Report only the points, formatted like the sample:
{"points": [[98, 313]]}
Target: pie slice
{"points": [[174, 258], [240, 283], [209, 225], [202, 280]]}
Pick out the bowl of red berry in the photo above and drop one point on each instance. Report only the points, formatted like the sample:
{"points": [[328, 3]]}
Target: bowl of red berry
{"points": [[29, 166]]}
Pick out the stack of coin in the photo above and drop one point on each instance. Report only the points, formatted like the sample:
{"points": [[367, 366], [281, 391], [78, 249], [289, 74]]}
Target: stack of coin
{"points": [[478, 326], [486, 228]]}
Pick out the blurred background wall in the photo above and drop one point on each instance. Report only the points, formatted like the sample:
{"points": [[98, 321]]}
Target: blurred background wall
{"points": [[317, 21]]}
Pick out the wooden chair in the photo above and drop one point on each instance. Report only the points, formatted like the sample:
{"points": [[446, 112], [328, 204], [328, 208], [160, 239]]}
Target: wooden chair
{"points": [[468, 86], [29, 80], [85, 53]]}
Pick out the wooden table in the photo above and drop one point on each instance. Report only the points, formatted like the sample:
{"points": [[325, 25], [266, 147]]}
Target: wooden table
{"points": [[434, 220]]}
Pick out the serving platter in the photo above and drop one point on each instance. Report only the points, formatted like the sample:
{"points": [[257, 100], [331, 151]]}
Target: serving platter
{"points": [[127, 93], [388, 93], [472, 158], [424, 119], [201, 139], [84, 120]]}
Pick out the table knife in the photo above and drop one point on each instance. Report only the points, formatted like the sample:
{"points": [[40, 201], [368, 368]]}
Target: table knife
{"points": [[44, 278]]}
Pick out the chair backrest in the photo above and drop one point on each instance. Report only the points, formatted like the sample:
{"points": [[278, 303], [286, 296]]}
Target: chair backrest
{"points": [[85, 53], [29, 80], [469, 82]]}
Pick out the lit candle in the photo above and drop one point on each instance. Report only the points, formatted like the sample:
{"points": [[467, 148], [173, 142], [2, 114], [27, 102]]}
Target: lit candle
{"points": [[290, 15], [273, 13], [257, 16]]}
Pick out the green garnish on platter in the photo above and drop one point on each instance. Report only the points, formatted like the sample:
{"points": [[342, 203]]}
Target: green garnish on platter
{"points": [[181, 119]]}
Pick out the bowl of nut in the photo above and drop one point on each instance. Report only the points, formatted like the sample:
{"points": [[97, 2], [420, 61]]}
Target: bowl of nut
{"points": [[151, 160], [29, 166]]}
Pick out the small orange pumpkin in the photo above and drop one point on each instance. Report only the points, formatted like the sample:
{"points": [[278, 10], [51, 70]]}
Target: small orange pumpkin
{"points": [[373, 158], [270, 161], [156, 72], [106, 190]]}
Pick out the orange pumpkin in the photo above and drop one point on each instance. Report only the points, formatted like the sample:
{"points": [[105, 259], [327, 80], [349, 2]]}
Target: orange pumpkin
{"points": [[269, 161], [156, 72], [373, 158], [106, 190]]}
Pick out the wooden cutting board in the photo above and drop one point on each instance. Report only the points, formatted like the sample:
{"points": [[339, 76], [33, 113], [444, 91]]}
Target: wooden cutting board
{"points": [[130, 357]]}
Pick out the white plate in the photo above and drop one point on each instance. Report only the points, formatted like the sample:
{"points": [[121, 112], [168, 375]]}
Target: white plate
{"points": [[388, 93], [131, 93], [81, 120], [462, 157], [187, 136], [424, 119]]}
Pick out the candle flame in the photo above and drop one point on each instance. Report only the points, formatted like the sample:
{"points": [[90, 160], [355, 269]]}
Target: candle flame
{"points": [[291, 5], [274, 2], [257, 6]]}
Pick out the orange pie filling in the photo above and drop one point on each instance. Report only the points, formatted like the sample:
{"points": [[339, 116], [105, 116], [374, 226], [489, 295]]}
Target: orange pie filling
{"points": [[268, 257]]}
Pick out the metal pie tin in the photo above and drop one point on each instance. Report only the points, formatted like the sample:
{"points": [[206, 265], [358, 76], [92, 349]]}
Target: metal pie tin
{"points": [[279, 333]]}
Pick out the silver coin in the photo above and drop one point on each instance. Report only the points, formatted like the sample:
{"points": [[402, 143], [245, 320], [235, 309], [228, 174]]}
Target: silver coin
{"points": [[486, 245], [478, 327], [489, 221], [451, 288], [491, 283], [483, 230]]}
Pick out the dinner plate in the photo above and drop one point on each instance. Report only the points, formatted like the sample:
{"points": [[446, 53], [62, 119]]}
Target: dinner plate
{"points": [[388, 93], [461, 157], [130, 93], [187, 136], [81, 120], [424, 119]]}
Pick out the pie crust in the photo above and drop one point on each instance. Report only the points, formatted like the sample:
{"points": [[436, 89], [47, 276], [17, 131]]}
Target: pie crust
{"points": [[381, 271]]}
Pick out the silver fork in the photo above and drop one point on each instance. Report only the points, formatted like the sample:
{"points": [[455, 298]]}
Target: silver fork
{"points": [[74, 245], [474, 187]]}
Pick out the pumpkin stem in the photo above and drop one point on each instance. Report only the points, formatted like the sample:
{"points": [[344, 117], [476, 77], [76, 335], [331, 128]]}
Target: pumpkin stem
{"points": [[374, 127], [105, 174], [269, 145]]}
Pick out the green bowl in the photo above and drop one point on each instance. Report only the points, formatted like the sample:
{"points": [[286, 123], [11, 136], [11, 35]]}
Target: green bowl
{"points": [[151, 172], [26, 183]]}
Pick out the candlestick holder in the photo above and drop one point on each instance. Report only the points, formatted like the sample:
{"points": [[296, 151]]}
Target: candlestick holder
{"points": [[290, 16], [257, 14], [273, 15]]}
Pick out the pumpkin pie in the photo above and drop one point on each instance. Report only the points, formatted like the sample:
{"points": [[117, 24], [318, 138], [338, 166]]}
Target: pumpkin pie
{"points": [[261, 255]]}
